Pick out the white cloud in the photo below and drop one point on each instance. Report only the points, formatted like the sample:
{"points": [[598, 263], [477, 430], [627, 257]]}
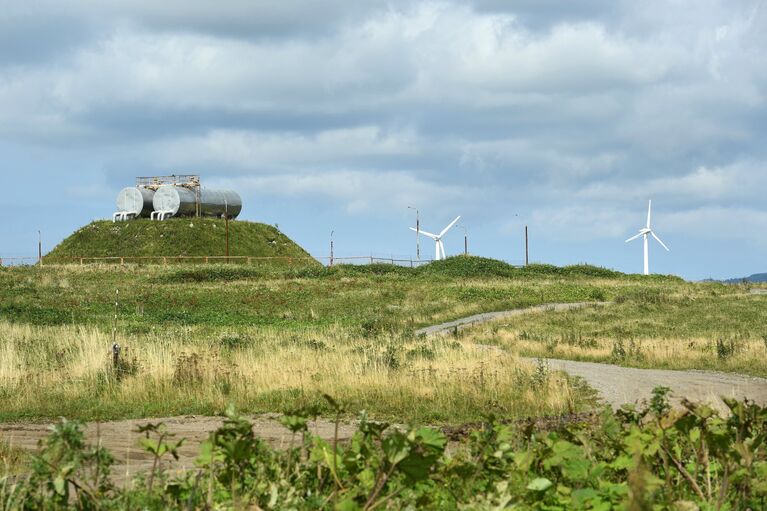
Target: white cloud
{"points": [[743, 181], [721, 223], [359, 192], [266, 151]]}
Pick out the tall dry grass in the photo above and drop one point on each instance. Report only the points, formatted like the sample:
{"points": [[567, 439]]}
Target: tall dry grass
{"points": [[51, 371], [724, 333]]}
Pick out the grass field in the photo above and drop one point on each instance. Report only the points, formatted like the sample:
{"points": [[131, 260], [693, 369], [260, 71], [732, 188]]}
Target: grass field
{"points": [[196, 338]]}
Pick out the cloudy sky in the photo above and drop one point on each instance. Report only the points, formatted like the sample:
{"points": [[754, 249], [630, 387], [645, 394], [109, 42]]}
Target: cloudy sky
{"points": [[338, 115]]}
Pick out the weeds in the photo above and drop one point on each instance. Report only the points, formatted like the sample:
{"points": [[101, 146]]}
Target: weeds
{"points": [[650, 457], [12, 459], [189, 369], [180, 371], [725, 348]]}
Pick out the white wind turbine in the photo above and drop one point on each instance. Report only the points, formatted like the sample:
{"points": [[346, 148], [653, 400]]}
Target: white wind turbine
{"points": [[438, 239], [646, 233]]}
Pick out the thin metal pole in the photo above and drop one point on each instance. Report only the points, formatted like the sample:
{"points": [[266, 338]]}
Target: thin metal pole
{"points": [[331, 248], [527, 252], [417, 232], [114, 321], [417, 235], [226, 217], [40, 248]]}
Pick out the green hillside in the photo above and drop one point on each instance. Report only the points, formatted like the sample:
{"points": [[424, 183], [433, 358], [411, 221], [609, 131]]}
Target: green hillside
{"points": [[176, 237]]}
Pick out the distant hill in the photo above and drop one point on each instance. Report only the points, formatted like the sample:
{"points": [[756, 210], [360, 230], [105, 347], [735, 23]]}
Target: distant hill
{"points": [[176, 237], [756, 277]]}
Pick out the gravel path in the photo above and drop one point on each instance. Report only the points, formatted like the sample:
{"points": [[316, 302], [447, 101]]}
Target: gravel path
{"points": [[618, 385], [460, 324]]}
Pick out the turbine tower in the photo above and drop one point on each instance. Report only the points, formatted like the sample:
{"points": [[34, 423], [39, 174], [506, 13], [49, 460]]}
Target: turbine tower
{"points": [[646, 233], [438, 239]]}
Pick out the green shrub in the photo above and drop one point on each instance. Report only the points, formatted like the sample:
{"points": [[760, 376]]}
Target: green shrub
{"points": [[651, 457]]}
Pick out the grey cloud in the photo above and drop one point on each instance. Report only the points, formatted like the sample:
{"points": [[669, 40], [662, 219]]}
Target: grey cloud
{"points": [[21, 42]]}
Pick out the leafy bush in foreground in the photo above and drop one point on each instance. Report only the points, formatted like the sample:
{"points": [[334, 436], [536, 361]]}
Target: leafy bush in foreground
{"points": [[655, 458]]}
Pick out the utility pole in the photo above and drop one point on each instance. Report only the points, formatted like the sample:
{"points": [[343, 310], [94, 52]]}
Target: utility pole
{"points": [[465, 241], [331, 249], [527, 253], [226, 219], [40, 248], [417, 233]]}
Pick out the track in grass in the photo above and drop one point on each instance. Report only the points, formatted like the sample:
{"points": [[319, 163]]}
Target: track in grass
{"points": [[618, 385], [460, 324]]}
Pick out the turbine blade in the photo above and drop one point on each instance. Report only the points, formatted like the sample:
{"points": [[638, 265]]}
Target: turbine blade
{"points": [[659, 241], [430, 235], [449, 226], [633, 237], [649, 212]]}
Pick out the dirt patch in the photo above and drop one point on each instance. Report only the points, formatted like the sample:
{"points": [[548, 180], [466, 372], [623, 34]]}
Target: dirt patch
{"points": [[122, 440]]}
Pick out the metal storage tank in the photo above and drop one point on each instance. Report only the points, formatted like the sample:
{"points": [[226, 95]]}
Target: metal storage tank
{"points": [[134, 202], [179, 201]]}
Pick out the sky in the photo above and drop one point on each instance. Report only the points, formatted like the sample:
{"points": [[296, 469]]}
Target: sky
{"points": [[336, 116]]}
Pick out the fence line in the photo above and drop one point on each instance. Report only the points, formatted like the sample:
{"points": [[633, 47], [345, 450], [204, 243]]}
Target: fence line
{"points": [[165, 260]]}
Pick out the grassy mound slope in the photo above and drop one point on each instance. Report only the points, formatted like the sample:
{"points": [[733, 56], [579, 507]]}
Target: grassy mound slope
{"points": [[458, 267], [479, 267], [176, 237]]}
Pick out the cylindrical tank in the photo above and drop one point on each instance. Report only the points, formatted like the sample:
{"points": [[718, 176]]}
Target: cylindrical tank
{"points": [[179, 201], [135, 201]]}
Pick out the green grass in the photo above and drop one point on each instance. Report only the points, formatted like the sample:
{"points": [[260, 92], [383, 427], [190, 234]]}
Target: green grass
{"points": [[176, 237], [13, 460], [232, 295]]}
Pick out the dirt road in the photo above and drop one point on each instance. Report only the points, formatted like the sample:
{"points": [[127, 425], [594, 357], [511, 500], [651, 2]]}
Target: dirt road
{"points": [[617, 385], [460, 324], [122, 440]]}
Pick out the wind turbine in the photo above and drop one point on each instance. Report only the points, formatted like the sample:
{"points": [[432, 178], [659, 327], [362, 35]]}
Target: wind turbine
{"points": [[438, 239], [646, 233]]}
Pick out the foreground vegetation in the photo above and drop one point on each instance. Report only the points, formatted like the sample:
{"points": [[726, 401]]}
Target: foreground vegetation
{"points": [[654, 458]]}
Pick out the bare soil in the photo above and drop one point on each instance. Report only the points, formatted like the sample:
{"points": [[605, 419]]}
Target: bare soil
{"points": [[121, 438]]}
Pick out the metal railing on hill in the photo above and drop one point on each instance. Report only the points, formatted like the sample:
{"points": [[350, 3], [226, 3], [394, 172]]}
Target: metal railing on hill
{"points": [[166, 260]]}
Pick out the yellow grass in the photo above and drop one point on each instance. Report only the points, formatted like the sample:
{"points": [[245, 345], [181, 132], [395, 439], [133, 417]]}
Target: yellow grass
{"points": [[725, 333], [49, 371]]}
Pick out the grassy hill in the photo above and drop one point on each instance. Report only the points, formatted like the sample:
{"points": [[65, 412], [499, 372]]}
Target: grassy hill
{"points": [[176, 237]]}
